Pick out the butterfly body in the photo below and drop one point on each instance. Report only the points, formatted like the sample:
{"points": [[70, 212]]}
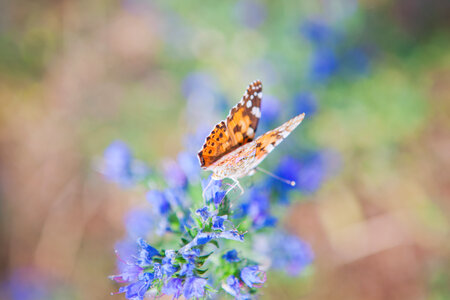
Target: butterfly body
{"points": [[236, 164], [231, 150]]}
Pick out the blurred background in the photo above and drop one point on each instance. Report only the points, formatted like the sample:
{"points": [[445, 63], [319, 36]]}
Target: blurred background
{"points": [[373, 77]]}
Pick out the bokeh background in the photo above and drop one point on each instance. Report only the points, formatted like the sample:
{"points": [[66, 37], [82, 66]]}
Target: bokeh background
{"points": [[373, 77]]}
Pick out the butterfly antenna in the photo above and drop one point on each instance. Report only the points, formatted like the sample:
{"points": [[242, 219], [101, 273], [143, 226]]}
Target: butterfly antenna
{"points": [[290, 182]]}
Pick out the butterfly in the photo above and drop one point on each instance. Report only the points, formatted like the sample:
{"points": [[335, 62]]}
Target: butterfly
{"points": [[231, 150]]}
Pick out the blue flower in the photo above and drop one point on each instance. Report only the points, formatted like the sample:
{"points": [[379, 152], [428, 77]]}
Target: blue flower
{"points": [[137, 290], [258, 209], [27, 284], [312, 173], [218, 222], [168, 267], [146, 254], [231, 256], [232, 286], [173, 287], [290, 253], [127, 265], [305, 103], [194, 287], [189, 165], [187, 269], [159, 201], [117, 163], [252, 276], [204, 237], [318, 33], [120, 167], [174, 175], [324, 64], [270, 112], [190, 255], [308, 172], [203, 213], [212, 191]]}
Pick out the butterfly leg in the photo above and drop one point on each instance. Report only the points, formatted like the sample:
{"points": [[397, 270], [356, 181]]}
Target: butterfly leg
{"points": [[236, 183], [240, 187]]}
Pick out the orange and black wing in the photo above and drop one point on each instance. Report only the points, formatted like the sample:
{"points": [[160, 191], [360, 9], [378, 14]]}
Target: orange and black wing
{"points": [[244, 117], [238, 129], [268, 141]]}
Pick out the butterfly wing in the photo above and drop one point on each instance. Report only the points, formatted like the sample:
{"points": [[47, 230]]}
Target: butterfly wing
{"points": [[268, 141], [243, 119], [239, 128]]}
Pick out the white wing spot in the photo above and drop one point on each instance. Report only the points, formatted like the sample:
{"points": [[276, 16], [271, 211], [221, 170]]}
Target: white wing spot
{"points": [[251, 97], [256, 111], [269, 148], [249, 103], [260, 95], [250, 131]]}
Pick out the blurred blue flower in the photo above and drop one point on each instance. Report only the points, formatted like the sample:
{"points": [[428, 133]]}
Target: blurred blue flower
{"points": [[173, 287], [117, 163], [28, 284], [120, 167], [290, 253], [189, 165], [323, 65], [318, 33], [159, 201], [305, 102], [251, 13], [308, 172], [197, 83], [270, 112], [174, 175], [312, 173], [253, 276], [231, 256], [139, 222], [258, 208], [194, 287]]}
